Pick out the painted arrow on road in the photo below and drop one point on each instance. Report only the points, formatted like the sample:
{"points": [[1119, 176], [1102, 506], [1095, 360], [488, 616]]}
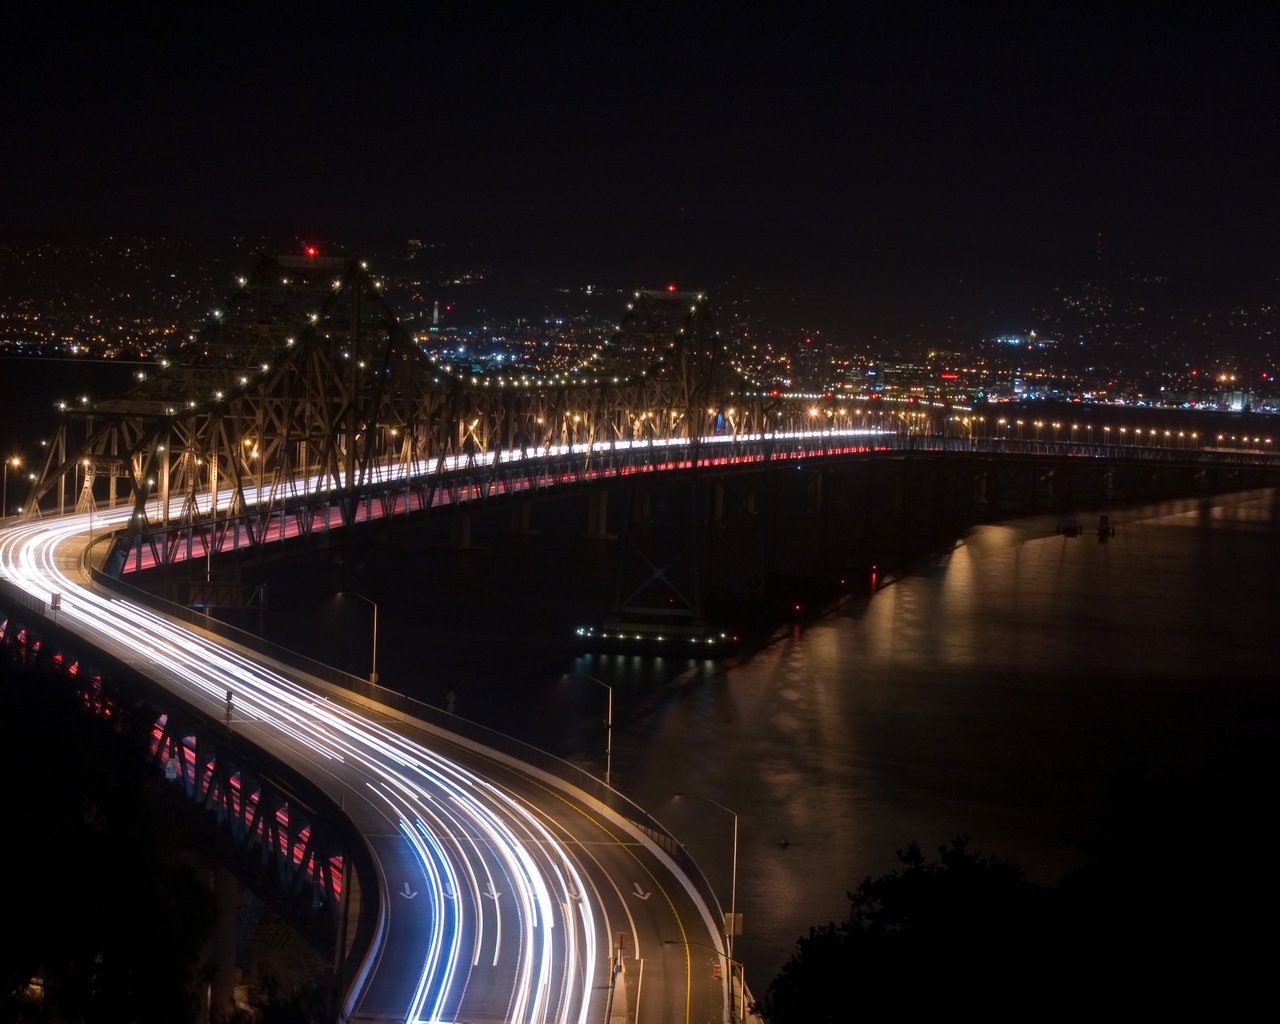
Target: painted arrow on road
{"points": [[408, 893], [641, 893], [492, 893]]}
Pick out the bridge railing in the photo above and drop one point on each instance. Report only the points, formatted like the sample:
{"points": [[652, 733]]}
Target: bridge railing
{"points": [[15, 595], [421, 710], [316, 506]]}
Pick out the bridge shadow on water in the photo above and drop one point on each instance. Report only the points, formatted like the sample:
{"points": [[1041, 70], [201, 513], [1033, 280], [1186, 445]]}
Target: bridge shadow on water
{"points": [[492, 624], [487, 627]]}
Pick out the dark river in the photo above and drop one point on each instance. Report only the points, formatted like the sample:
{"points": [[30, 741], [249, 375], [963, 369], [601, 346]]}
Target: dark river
{"points": [[998, 692]]}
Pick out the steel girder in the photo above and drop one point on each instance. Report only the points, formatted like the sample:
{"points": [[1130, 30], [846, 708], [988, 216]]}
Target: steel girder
{"points": [[306, 393]]}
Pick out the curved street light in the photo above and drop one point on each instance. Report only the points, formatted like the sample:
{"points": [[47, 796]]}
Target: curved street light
{"points": [[16, 462], [608, 743], [732, 924]]}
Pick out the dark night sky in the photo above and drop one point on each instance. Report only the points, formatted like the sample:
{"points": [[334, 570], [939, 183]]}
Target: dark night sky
{"points": [[1018, 128]]}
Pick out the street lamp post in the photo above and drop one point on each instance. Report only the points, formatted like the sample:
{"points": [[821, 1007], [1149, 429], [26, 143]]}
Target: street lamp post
{"points": [[733, 993], [373, 672], [88, 489], [14, 461], [733, 884], [608, 742]]}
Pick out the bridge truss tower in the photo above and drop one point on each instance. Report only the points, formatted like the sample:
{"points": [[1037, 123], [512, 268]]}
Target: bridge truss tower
{"points": [[304, 397]]}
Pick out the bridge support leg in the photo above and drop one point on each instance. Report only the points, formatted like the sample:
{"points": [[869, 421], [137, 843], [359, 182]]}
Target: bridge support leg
{"points": [[598, 516], [222, 958], [163, 454], [715, 507], [460, 530], [521, 514], [62, 480], [1044, 497]]}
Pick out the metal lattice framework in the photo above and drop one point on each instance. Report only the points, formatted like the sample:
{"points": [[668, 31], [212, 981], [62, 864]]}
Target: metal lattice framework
{"points": [[304, 396]]}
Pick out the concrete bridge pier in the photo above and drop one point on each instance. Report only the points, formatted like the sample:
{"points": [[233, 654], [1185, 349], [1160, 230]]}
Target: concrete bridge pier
{"points": [[1046, 488], [460, 530], [730, 500], [598, 516], [521, 517], [981, 495], [815, 492], [222, 953]]}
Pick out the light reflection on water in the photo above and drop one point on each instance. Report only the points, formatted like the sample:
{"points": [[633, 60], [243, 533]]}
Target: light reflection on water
{"points": [[997, 692]]}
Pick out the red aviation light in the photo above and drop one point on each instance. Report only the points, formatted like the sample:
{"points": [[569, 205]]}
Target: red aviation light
{"points": [[311, 251], [671, 287]]}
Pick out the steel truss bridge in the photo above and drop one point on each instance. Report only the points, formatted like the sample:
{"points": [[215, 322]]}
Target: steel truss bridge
{"points": [[304, 407]]}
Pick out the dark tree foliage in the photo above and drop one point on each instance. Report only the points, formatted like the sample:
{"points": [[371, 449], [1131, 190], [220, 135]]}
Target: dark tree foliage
{"points": [[272, 1003], [108, 927], [921, 937], [1174, 914]]}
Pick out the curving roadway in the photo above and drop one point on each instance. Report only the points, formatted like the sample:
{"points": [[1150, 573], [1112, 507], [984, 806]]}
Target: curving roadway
{"points": [[503, 889]]}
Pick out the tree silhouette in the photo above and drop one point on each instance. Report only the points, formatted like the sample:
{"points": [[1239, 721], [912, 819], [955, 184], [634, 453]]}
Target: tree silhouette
{"points": [[914, 939], [1173, 914]]}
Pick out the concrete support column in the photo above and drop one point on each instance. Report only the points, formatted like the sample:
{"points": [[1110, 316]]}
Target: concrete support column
{"points": [[1046, 486], [163, 456], [982, 489], [62, 461], [598, 515], [815, 493], [222, 954], [460, 530], [521, 515]]}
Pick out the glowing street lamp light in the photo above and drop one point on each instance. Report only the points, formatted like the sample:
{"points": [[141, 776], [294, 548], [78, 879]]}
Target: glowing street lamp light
{"points": [[15, 461], [373, 672]]}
